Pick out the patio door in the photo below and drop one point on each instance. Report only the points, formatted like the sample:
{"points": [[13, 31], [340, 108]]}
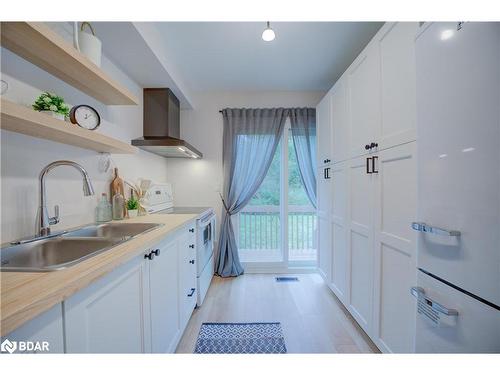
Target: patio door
{"points": [[277, 228]]}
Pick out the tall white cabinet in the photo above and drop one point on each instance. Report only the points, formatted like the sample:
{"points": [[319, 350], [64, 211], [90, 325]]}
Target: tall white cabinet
{"points": [[368, 241]]}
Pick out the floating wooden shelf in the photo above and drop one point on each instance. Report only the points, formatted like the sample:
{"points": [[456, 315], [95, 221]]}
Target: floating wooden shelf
{"points": [[37, 43], [19, 119]]}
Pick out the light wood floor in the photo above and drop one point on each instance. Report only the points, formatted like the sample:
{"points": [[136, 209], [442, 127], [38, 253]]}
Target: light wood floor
{"points": [[312, 319]]}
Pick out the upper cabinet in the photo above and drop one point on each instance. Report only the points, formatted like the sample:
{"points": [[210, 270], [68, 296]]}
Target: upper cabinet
{"points": [[397, 88], [40, 45], [340, 121], [323, 130], [364, 100]]}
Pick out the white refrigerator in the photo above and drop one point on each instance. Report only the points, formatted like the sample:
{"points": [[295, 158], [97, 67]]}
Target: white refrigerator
{"points": [[458, 161]]}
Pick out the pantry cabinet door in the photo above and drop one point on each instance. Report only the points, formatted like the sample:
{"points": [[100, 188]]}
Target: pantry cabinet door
{"points": [[164, 301], [395, 249], [340, 121], [323, 130], [398, 93], [361, 243], [112, 314], [340, 224], [325, 247], [364, 99]]}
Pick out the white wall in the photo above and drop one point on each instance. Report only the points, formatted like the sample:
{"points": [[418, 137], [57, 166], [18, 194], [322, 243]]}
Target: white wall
{"points": [[197, 182], [22, 157]]}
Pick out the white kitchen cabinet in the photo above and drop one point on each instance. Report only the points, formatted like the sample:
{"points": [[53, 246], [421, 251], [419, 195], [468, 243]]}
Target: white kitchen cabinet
{"points": [[47, 327], [324, 130], [187, 276], [164, 301], [364, 100], [360, 242], [325, 247], [340, 120], [395, 248], [397, 83], [111, 315], [339, 228]]}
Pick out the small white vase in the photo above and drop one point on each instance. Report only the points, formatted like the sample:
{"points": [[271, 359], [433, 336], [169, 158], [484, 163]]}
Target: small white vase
{"points": [[132, 213], [56, 115]]}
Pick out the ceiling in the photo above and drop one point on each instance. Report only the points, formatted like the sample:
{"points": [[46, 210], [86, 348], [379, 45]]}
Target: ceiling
{"points": [[232, 55]]}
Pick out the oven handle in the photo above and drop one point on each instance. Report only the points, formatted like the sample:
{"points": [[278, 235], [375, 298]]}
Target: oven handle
{"points": [[206, 220]]}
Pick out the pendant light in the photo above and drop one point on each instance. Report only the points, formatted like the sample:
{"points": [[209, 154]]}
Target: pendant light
{"points": [[268, 34]]}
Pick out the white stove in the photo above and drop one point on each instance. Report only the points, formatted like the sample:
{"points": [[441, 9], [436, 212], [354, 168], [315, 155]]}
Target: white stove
{"points": [[160, 200]]}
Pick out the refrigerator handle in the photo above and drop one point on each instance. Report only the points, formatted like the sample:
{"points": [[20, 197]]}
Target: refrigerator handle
{"points": [[419, 293], [423, 227]]}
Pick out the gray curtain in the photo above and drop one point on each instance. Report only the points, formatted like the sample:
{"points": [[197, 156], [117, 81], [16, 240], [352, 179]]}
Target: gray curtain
{"points": [[250, 139], [303, 123]]}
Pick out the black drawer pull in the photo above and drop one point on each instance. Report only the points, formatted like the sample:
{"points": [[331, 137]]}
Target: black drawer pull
{"points": [[149, 256], [191, 246], [368, 166], [191, 230], [192, 292], [156, 252], [191, 261]]}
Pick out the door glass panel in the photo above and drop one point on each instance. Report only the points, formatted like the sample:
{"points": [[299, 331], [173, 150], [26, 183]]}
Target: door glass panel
{"points": [[302, 223], [259, 223]]}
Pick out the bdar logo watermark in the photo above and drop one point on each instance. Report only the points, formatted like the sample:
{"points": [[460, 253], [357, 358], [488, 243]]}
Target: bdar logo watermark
{"points": [[8, 346]]}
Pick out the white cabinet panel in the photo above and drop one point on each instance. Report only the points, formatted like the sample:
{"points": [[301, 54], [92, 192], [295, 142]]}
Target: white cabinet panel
{"points": [[109, 316], [47, 327], [340, 121], [323, 130], [361, 279], [364, 99], [340, 221], [395, 248], [325, 247], [187, 277], [398, 94], [361, 243], [163, 281]]}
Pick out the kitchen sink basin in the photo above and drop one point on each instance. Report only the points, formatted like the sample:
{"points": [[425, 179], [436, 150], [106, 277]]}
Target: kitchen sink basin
{"points": [[112, 230], [69, 248]]}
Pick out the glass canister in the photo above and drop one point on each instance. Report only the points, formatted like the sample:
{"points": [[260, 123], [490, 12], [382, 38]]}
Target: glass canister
{"points": [[118, 206]]}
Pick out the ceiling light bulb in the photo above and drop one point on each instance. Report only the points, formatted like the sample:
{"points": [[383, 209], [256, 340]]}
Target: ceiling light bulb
{"points": [[268, 34]]}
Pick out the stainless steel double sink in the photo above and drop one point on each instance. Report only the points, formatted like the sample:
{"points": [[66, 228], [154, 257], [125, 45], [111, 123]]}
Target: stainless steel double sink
{"points": [[69, 248]]}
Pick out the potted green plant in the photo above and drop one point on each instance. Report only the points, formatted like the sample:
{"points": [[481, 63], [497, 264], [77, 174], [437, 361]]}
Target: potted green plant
{"points": [[132, 207], [51, 104]]}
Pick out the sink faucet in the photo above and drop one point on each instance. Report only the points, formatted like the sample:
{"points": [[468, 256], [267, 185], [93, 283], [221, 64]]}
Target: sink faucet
{"points": [[43, 221]]}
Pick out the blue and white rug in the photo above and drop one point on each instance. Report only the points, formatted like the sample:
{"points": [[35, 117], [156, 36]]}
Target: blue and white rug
{"points": [[244, 338]]}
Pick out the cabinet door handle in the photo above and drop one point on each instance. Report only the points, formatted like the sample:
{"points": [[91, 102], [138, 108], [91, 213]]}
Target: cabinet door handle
{"points": [[149, 256], [367, 147], [191, 261], [368, 166], [373, 145], [192, 292], [373, 164], [191, 230], [156, 252], [326, 173], [191, 246]]}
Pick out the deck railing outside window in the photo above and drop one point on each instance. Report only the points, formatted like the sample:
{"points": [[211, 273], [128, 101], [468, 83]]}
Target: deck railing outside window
{"points": [[259, 229]]}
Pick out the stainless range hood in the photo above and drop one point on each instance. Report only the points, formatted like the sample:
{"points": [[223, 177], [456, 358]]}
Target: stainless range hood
{"points": [[161, 126]]}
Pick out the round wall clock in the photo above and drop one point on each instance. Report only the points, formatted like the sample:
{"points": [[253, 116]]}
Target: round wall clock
{"points": [[85, 116]]}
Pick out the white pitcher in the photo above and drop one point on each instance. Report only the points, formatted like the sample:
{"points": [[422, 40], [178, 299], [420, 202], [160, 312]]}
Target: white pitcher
{"points": [[86, 43]]}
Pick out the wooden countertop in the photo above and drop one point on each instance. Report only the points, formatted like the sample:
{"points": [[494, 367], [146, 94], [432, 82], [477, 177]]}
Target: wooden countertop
{"points": [[24, 295]]}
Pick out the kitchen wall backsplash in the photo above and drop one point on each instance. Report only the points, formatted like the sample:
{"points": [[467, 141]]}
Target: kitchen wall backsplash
{"points": [[22, 157]]}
